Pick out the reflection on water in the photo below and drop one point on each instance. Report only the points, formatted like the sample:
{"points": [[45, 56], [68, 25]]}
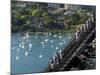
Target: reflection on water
{"points": [[31, 53]]}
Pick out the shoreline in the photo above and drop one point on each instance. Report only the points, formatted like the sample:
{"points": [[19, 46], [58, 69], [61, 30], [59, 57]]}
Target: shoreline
{"points": [[45, 33]]}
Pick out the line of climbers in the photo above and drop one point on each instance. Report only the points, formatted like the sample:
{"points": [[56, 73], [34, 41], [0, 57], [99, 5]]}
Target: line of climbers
{"points": [[79, 34]]}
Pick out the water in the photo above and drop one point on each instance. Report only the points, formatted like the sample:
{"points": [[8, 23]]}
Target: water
{"points": [[31, 53]]}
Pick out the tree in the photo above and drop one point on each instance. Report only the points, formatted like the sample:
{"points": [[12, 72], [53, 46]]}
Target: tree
{"points": [[48, 19], [37, 13]]}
